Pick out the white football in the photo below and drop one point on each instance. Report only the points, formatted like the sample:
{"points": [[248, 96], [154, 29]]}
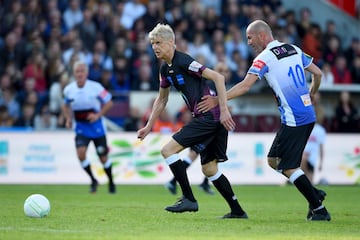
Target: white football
{"points": [[37, 206]]}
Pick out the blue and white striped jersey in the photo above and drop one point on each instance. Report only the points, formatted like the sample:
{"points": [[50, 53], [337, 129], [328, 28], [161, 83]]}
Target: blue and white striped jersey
{"points": [[283, 66]]}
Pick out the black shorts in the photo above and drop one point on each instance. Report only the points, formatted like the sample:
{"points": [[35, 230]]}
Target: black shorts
{"points": [[100, 144], [289, 144], [207, 137]]}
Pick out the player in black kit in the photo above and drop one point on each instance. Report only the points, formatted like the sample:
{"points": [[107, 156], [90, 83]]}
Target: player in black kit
{"points": [[206, 132]]}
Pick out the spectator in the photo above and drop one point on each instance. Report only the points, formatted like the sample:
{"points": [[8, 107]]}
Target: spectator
{"points": [[346, 114], [312, 42], [121, 80], [102, 16], [53, 50], [87, 29], [224, 70], [352, 55], [34, 43], [146, 80], [104, 59], [54, 70], [330, 31], [200, 47], [11, 52], [5, 83], [15, 75], [220, 56], [133, 10], [121, 47], [133, 122], [305, 22], [174, 13], [95, 67], [35, 69], [76, 48], [54, 23], [242, 66], [32, 98], [165, 123], [113, 31], [353, 50], [45, 120], [27, 116], [107, 77], [234, 15], [5, 119], [28, 87], [8, 98], [218, 37], [212, 19], [327, 77], [235, 41], [332, 50], [340, 71], [142, 77], [145, 116], [32, 15], [153, 15], [73, 15], [355, 70], [55, 94], [11, 10]]}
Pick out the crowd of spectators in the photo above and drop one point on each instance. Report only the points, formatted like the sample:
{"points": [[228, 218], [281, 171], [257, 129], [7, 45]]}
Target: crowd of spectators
{"points": [[40, 39]]}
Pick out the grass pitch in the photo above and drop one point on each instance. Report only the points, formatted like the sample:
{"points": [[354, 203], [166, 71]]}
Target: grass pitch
{"points": [[136, 212]]}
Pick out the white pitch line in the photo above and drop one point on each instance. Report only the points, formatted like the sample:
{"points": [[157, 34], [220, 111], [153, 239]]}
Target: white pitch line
{"points": [[41, 230]]}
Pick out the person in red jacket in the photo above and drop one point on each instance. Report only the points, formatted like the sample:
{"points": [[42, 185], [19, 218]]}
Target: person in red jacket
{"points": [[341, 73]]}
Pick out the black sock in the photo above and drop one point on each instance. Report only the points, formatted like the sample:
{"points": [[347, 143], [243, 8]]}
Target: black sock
{"points": [[108, 172], [317, 191], [89, 172], [179, 171], [173, 181], [303, 184], [222, 184], [205, 181]]}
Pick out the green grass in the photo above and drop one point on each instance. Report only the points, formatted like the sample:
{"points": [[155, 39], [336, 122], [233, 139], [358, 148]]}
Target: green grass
{"points": [[136, 212]]}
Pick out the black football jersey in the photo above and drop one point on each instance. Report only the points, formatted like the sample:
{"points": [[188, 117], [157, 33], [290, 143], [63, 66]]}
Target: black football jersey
{"points": [[185, 74]]}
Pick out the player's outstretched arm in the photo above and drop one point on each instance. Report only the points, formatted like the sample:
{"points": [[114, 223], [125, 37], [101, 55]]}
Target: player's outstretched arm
{"points": [[209, 102]]}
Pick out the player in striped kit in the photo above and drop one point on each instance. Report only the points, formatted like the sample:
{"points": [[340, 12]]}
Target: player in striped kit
{"points": [[85, 102], [283, 66]]}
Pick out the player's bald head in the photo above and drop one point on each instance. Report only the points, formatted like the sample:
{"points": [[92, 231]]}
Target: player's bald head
{"points": [[258, 26]]}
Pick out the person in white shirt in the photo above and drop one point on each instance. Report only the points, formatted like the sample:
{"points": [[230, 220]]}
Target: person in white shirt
{"points": [[283, 66], [314, 151], [73, 15], [85, 103], [313, 155]]}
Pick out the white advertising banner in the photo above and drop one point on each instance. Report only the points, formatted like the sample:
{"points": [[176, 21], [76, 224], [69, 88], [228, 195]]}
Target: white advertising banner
{"points": [[50, 158]]}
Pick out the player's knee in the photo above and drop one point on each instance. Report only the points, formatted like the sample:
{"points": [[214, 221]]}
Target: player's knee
{"points": [[210, 169], [171, 148], [166, 152], [81, 152], [102, 151], [274, 162]]}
